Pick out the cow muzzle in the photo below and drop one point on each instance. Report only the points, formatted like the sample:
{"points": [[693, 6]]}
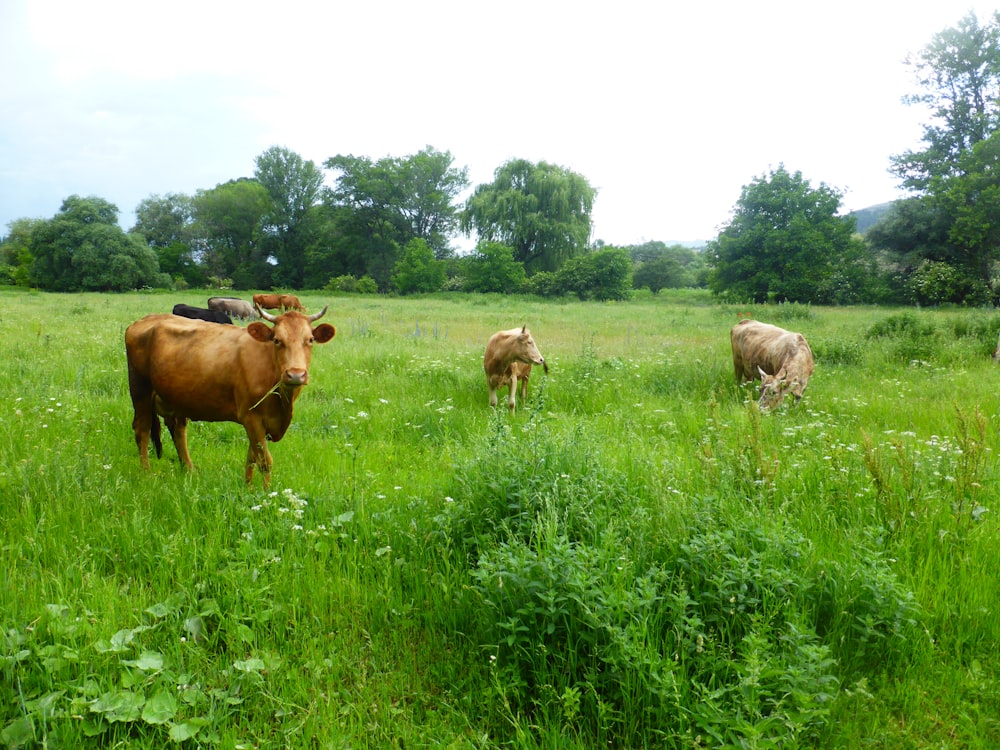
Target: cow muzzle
{"points": [[295, 377]]}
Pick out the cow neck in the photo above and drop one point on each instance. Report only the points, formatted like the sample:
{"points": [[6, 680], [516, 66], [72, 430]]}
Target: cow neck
{"points": [[276, 389]]}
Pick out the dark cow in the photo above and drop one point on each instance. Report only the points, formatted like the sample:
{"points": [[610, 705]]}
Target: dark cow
{"points": [[200, 313], [188, 370], [509, 356], [781, 359], [233, 306]]}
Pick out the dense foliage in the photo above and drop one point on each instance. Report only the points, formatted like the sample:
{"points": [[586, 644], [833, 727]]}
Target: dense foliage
{"points": [[82, 248], [946, 234], [786, 243]]}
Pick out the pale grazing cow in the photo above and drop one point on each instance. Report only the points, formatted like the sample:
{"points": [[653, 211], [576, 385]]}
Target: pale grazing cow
{"points": [[189, 370], [234, 306], [781, 359], [509, 357]]}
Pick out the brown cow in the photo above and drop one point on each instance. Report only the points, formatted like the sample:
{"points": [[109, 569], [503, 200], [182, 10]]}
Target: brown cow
{"points": [[290, 302], [188, 370], [509, 356], [781, 359], [267, 301]]}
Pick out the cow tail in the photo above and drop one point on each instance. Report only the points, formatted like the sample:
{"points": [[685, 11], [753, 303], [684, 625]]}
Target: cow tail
{"points": [[154, 434]]}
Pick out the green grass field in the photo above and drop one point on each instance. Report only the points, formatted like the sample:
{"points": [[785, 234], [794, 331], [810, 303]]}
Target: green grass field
{"points": [[637, 558]]}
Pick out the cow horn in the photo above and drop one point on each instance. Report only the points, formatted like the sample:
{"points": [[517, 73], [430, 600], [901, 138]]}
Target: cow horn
{"points": [[265, 315], [320, 314]]}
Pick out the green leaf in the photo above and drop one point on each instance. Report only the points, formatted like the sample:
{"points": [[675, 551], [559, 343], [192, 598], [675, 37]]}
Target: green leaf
{"points": [[188, 729], [160, 709], [158, 611], [121, 705], [250, 665], [148, 661], [19, 732]]}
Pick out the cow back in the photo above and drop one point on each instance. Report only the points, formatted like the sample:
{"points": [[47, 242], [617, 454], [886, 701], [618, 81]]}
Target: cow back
{"points": [[199, 369], [762, 345]]}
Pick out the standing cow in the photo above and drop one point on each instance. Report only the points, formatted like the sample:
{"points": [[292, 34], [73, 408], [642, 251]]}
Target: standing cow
{"points": [[200, 313], [290, 302], [234, 306], [267, 301], [781, 359], [188, 370], [509, 356], [281, 302]]}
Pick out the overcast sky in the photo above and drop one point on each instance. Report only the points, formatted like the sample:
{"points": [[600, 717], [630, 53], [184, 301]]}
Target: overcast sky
{"points": [[667, 109]]}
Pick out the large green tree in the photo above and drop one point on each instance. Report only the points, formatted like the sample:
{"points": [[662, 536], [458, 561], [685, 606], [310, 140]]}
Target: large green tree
{"points": [[165, 222], [541, 210], [952, 215], [294, 185], [785, 242], [228, 230], [83, 248], [388, 202], [958, 73], [429, 186]]}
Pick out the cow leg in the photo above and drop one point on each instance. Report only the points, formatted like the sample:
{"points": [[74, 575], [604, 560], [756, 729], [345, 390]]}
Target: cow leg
{"points": [[141, 425], [512, 396], [178, 431], [141, 392], [257, 454], [524, 389]]}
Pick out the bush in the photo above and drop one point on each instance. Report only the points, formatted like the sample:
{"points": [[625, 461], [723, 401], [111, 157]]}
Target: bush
{"points": [[345, 283], [366, 285], [938, 283]]}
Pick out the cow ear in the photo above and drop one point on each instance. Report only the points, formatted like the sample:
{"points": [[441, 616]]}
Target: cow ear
{"points": [[260, 331], [324, 332]]}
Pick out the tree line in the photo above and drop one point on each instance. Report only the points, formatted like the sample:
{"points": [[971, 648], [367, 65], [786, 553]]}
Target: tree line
{"points": [[386, 225]]}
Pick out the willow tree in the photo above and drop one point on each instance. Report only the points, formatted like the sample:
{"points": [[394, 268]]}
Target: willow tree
{"points": [[541, 211]]}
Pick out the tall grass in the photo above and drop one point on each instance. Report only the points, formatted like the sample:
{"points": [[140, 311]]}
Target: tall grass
{"points": [[636, 558]]}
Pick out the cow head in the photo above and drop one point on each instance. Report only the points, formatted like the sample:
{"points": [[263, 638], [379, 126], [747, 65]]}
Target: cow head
{"points": [[293, 336], [527, 350], [774, 388]]}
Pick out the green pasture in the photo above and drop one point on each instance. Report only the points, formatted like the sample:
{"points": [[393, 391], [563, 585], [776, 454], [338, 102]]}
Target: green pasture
{"points": [[637, 558]]}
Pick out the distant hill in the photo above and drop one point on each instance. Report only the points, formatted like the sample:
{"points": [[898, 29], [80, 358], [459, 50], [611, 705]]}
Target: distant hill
{"points": [[868, 217]]}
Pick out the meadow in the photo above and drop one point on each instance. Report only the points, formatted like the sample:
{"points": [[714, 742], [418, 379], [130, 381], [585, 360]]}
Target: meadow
{"points": [[637, 558]]}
